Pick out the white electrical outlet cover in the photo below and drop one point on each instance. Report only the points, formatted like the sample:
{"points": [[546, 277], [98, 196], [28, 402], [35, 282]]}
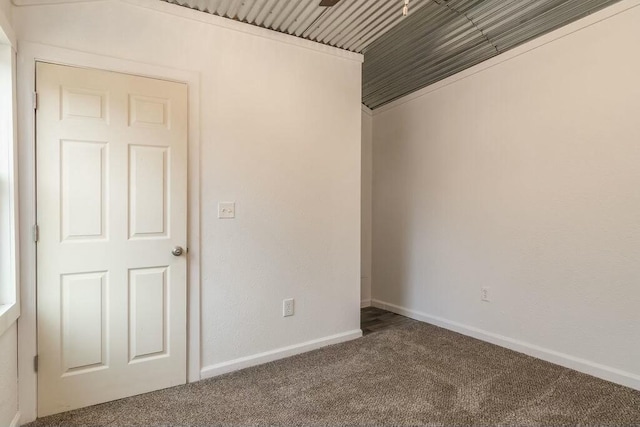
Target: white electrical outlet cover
{"points": [[287, 307]]}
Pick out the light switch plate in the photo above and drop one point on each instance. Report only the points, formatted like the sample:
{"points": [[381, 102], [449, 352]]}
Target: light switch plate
{"points": [[226, 210]]}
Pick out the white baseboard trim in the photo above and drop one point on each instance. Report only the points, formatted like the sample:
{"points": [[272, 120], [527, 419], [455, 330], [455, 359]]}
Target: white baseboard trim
{"points": [[582, 365], [279, 353], [365, 303], [16, 420]]}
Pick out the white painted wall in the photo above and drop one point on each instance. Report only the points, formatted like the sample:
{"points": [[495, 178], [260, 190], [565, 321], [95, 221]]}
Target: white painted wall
{"points": [[8, 375], [5, 11], [366, 207], [522, 176], [280, 136]]}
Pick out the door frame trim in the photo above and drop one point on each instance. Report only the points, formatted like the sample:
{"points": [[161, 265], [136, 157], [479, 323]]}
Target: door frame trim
{"points": [[28, 54]]}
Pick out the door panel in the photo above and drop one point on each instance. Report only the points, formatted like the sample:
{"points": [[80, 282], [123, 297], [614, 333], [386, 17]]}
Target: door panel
{"points": [[148, 312], [148, 191], [84, 189], [84, 325], [111, 185]]}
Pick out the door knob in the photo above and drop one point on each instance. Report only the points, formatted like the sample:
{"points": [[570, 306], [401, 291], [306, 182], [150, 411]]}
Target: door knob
{"points": [[177, 251]]}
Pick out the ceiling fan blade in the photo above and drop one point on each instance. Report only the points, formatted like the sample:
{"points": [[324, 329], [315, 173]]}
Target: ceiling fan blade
{"points": [[328, 3]]}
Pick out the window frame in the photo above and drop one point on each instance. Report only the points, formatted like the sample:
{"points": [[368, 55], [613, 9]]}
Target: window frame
{"points": [[9, 283]]}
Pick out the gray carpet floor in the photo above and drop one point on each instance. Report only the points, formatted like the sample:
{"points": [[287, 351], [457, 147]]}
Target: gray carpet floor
{"points": [[407, 374]]}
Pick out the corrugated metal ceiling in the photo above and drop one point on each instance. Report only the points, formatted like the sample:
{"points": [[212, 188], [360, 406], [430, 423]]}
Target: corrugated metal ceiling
{"points": [[350, 24], [446, 37], [403, 54]]}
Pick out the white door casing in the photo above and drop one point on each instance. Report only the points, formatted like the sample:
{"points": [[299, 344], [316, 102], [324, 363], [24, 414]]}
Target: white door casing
{"points": [[111, 206]]}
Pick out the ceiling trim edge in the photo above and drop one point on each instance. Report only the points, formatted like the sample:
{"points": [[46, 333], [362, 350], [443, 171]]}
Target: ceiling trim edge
{"points": [[207, 18], [21, 3]]}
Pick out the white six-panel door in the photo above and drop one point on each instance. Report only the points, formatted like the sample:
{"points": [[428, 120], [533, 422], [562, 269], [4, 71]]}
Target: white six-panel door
{"points": [[112, 206]]}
